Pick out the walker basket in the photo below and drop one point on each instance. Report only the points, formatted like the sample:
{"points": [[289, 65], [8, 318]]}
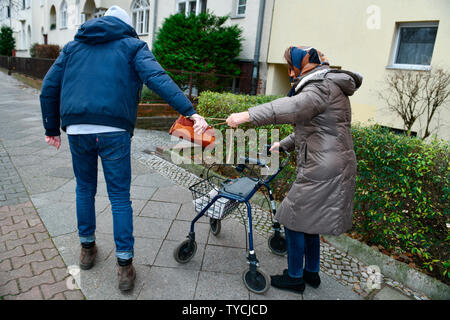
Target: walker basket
{"points": [[204, 192]]}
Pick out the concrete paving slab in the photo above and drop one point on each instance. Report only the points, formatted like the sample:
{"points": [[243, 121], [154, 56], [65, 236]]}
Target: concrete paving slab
{"points": [[145, 250], [59, 218], [270, 263], [47, 198], [174, 194], [151, 227], [180, 229], [224, 259], [62, 172], [329, 289], [138, 168], [41, 183], [187, 213], [142, 193], [169, 284], [165, 257], [152, 180], [69, 186], [226, 287], [162, 210]]}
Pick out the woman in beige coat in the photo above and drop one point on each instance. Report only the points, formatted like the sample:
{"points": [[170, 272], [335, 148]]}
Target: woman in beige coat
{"points": [[321, 199]]}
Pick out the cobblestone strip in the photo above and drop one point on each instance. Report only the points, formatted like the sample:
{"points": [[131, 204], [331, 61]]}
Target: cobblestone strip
{"points": [[30, 265], [344, 268]]}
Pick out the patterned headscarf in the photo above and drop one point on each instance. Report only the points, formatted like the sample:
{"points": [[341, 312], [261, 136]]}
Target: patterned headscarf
{"points": [[303, 59]]}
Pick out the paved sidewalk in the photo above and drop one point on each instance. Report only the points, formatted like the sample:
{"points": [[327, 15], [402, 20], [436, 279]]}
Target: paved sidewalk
{"points": [[30, 265], [162, 214]]}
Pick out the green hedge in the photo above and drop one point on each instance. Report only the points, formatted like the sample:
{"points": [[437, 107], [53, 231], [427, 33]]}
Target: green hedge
{"points": [[402, 195]]}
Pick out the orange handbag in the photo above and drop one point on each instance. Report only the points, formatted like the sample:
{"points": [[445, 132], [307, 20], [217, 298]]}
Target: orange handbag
{"points": [[183, 128]]}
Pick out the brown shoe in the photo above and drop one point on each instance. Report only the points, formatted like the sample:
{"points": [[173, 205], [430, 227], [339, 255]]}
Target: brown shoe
{"points": [[126, 276], [87, 257]]}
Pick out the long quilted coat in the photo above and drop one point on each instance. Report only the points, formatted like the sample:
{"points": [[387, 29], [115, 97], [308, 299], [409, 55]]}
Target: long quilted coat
{"points": [[321, 199]]}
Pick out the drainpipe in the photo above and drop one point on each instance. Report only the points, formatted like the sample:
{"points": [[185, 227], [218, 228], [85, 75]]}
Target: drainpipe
{"points": [[262, 5], [155, 15]]}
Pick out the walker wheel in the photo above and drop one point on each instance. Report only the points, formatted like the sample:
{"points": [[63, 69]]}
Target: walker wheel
{"points": [[256, 281], [277, 244], [185, 251], [215, 226]]}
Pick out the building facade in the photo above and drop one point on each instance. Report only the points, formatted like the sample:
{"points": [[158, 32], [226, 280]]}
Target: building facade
{"points": [[370, 37], [373, 38], [57, 21]]}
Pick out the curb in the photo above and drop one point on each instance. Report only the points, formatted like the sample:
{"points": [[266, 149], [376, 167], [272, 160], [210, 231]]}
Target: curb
{"points": [[389, 267], [392, 268]]}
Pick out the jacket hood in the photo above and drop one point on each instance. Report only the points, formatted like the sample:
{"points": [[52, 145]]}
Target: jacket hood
{"points": [[104, 29], [348, 81]]}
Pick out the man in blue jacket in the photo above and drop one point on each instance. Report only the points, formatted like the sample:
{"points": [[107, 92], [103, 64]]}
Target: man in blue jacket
{"points": [[92, 92]]}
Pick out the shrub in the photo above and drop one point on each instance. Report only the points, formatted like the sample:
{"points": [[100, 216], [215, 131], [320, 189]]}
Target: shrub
{"points": [[46, 51], [7, 41], [198, 43], [402, 195], [402, 189]]}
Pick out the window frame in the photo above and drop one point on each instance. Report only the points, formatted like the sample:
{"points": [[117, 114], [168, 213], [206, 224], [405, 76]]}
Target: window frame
{"points": [[140, 16], [63, 15], [237, 14], [399, 26], [199, 5]]}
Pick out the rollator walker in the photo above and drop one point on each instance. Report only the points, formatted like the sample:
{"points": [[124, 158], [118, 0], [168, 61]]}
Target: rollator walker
{"points": [[216, 198]]}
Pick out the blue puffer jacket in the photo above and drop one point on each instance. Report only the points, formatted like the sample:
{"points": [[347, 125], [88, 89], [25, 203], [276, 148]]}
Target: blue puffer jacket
{"points": [[98, 77]]}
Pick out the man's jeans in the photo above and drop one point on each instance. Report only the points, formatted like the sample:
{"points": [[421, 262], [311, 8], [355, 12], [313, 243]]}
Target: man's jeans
{"points": [[302, 245], [114, 151]]}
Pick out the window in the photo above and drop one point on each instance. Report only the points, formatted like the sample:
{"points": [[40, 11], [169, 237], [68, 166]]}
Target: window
{"points": [[191, 6], [63, 14], [240, 8], [79, 15], [140, 10], [52, 18], [28, 37], [414, 45], [99, 13]]}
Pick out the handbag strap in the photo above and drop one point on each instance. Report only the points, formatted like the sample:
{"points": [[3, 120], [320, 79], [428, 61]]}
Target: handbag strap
{"points": [[223, 121]]}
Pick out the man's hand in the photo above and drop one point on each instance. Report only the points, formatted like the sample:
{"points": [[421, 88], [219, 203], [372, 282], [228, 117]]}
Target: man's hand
{"points": [[235, 119], [200, 124], [54, 141], [275, 147]]}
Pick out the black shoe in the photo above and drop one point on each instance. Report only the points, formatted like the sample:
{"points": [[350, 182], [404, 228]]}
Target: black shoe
{"points": [[311, 278], [285, 282]]}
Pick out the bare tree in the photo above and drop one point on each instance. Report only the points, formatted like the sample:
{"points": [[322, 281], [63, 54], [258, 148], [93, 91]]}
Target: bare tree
{"points": [[435, 94], [411, 94]]}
